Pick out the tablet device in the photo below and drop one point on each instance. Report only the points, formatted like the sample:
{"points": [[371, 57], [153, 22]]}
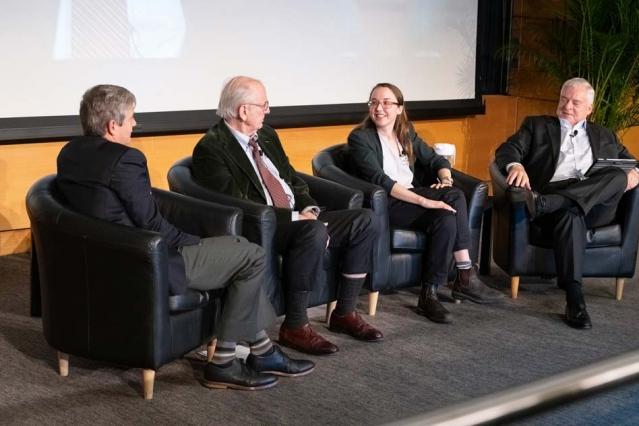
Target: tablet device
{"points": [[622, 163]]}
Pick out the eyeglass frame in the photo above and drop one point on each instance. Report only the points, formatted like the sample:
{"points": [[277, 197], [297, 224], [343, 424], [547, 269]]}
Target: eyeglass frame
{"points": [[265, 106], [386, 104]]}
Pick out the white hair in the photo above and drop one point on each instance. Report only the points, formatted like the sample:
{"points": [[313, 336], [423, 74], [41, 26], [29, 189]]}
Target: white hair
{"points": [[578, 81], [237, 91]]}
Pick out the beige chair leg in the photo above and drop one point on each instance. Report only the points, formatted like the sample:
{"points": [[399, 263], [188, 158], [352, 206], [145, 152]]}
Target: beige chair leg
{"points": [[63, 364], [619, 287], [210, 348], [514, 287], [148, 378], [330, 306], [372, 302]]}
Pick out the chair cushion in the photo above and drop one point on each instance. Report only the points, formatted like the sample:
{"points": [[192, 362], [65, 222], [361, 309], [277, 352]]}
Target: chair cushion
{"points": [[407, 240], [189, 300], [603, 236]]}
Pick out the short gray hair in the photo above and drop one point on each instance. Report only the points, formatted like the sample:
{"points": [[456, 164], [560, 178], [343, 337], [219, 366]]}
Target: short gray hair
{"points": [[578, 81], [103, 103], [236, 91]]}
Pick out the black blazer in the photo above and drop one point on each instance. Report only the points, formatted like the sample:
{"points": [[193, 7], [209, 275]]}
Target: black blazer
{"points": [[536, 146], [220, 164], [367, 158], [110, 181]]}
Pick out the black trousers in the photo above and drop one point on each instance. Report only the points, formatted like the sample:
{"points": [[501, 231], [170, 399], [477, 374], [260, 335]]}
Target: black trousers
{"points": [[302, 244], [446, 232], [595, 204]]}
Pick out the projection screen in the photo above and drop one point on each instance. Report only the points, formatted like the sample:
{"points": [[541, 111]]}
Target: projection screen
{"points": [[318, 59]]}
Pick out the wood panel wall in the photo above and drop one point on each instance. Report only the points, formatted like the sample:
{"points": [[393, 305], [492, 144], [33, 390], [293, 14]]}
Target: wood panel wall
{"points": [[475, 137]]}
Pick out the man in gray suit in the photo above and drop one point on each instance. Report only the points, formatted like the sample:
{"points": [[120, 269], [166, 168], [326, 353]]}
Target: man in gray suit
{"points": [[102, 176], [550, 157]]}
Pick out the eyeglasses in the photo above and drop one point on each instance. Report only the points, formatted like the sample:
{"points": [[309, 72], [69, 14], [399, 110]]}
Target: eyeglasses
{"points": [[386, 104], [265, 107]]}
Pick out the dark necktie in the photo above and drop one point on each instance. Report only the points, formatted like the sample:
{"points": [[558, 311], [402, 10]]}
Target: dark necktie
{"points": [[273, 186]]}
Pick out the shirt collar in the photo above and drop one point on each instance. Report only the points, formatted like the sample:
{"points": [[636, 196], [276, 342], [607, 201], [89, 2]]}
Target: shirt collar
{"points": [[241, 137], [565, 125]]}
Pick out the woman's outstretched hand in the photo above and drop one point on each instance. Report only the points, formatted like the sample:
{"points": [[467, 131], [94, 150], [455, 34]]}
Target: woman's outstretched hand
{"points": [[432, 204]]}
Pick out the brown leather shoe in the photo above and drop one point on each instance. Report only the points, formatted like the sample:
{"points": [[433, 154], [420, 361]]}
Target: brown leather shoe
{"points": [[306, 340], [353, 324]]}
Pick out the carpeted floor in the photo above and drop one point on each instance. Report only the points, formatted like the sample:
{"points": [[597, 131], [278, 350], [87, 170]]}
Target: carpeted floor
{"points": [[419, 367]]}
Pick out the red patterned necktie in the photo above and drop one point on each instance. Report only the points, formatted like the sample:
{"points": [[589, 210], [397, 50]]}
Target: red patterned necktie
{"points": [[273, 186]]}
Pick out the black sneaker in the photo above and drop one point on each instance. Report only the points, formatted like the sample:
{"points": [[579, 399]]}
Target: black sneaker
{"points": [[237, 375]]}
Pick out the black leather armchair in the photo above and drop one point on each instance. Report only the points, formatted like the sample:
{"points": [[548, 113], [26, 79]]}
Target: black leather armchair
{"points": [[521, 249], [259, 226], [398, 251], [104, 286]]}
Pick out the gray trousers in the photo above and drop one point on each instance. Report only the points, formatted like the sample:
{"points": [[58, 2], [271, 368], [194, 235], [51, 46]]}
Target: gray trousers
{"points": [[236, 265]]}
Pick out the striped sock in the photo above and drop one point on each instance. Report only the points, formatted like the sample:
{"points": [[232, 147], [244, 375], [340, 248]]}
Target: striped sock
{"points": [[464, 264], [224, 352], [261, 345]]}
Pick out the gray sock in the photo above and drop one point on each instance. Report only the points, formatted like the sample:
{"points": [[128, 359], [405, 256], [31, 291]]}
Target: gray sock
{"points": [[224, 353]]}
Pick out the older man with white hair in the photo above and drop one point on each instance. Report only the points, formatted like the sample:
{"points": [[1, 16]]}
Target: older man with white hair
{"points": [[551, 157]]}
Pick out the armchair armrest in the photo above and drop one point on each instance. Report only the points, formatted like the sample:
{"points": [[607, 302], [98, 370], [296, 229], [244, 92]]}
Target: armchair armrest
{"points": [[375, 197], [332, 195], [475, 189], [128, 297], [198, 217], [628, 212], [506, 194]]}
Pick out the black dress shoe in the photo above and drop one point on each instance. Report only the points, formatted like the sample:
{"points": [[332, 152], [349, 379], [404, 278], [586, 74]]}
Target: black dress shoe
{"points": [[236, 376], [430, 306], [278, 363], [577, 316]]}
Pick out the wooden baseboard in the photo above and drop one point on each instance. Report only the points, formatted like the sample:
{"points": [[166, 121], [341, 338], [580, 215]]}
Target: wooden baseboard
{"points": [[15, 241]]}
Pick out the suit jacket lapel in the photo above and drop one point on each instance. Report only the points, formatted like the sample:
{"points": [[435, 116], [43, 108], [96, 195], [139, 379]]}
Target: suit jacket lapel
{"points": [[593, 138], [237, 155], [554, 133]]}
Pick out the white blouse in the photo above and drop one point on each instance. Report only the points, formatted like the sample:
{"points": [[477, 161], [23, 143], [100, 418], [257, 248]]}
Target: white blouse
{"points": [[396, 166]]}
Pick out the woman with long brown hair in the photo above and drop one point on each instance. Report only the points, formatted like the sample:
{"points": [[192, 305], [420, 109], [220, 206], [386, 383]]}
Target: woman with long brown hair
{"points": [[386, 150]]}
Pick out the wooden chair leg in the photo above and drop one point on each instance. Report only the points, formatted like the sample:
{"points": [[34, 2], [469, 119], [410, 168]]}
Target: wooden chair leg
{"points": [[372, 302], [619, 287], [514, 287], [148, 379], [330, 306], [210, 348], [63, 364]]}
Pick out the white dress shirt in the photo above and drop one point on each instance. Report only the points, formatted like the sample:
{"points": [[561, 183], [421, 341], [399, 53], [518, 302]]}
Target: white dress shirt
{"points": [[575, 153]]}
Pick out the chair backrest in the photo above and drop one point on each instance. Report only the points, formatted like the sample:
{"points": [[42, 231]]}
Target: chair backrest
{"points": [[336, 155]]}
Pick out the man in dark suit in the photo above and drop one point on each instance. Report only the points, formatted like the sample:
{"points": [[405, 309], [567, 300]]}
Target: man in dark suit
{"points": [[101, 176], [241, 157], [550, 157]]}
